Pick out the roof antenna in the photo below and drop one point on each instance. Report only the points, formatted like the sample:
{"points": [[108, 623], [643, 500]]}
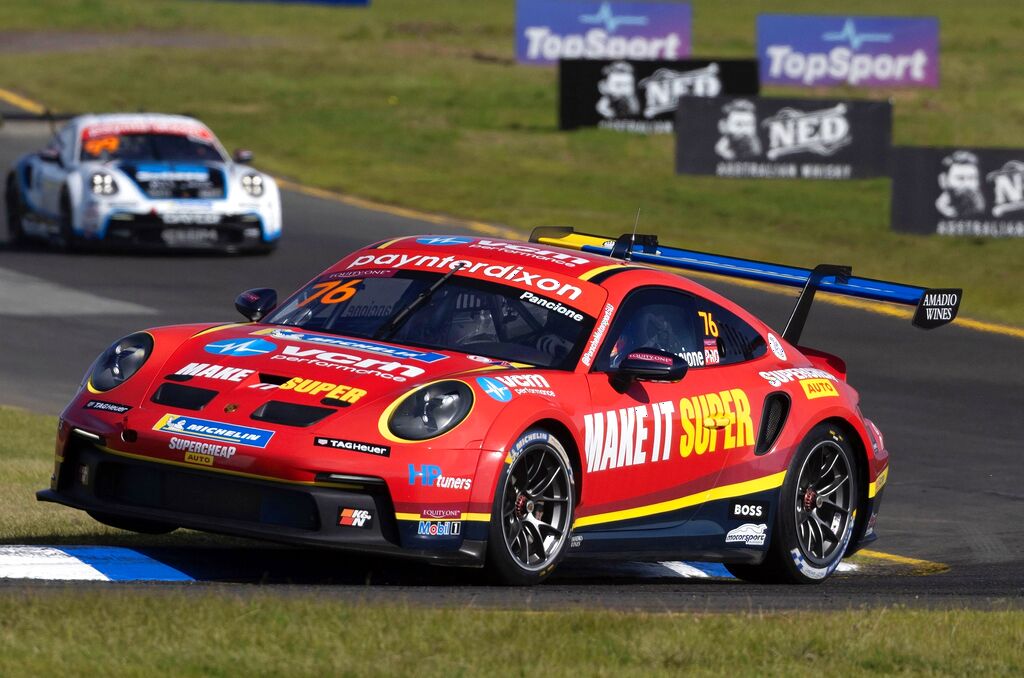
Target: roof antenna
{"points": [[632, 240]]}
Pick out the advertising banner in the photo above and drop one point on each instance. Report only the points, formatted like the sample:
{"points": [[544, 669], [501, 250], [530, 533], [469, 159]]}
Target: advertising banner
{"points": [[958, 191], [641, 96], [860, 51], [768, 137], [549, 30]]}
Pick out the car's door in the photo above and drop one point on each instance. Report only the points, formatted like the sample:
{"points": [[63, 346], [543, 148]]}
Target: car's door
{"points": [[654, 450], [52, 170]]}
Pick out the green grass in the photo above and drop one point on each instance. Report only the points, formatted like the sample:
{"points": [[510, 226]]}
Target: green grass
{"points": [[256, 632], [420, 104]]}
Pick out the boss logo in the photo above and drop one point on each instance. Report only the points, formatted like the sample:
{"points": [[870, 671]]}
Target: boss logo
{"points": [[748, 509]]}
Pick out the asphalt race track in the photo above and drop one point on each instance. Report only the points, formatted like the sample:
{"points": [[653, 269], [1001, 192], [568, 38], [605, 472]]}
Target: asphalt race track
{"points": [[950, 403]]}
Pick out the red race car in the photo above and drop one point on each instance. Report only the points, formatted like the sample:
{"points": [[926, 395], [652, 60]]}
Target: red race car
{"points": [[490, 402]]}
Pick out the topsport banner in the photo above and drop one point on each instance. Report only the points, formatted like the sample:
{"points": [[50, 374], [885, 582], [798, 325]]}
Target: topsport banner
{"points": [[815, 51], [958, 191], [549, 30]]}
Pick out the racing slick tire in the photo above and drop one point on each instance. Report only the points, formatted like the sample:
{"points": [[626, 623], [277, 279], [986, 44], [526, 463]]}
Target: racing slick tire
{"points": [[132, 524], [532, 514], [15, 213], [816, 515], [69, 241]]}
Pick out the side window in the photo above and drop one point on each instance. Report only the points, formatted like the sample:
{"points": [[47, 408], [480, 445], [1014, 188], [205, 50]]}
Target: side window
{"points": [[724, 338], [66, 144], [653, 317]]}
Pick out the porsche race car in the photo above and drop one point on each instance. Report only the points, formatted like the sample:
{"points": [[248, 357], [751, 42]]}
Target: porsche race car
{"points": [[141, 181], [483, 402]]}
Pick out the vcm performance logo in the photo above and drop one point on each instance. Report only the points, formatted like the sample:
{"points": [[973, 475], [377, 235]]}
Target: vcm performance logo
{"points": [[240, 347], [583, 29], [862, 51]]}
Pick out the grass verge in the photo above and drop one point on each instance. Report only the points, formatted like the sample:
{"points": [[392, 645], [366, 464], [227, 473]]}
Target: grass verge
{"points": [[421, 104]]}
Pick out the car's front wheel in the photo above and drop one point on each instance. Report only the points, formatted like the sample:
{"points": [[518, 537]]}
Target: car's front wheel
{"points": [[816, 515], [532, 515]]}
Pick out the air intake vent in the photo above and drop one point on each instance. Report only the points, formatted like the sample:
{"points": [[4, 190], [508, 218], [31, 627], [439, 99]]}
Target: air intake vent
{"points": [[290, 414], [273, 379], [773, 418], [185, 397]]}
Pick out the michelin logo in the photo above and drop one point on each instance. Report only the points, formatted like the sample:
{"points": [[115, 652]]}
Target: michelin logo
{"points": [[213, 430]]}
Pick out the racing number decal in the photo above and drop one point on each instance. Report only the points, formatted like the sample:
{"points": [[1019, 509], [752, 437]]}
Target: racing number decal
{"points": [[333, 292], [710, 328]]}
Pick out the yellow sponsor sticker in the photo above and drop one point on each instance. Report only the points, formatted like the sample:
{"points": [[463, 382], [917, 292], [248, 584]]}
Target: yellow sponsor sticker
{"points": [[196, 458], [818, 388]]}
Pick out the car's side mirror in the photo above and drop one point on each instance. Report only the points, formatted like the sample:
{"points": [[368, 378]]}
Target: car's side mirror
{"points": [[647, 364], [256, 304], [243, 155], [50, 155]]}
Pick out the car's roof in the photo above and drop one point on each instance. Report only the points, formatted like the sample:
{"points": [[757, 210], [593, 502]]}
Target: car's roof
{"points": [[136, 120]]}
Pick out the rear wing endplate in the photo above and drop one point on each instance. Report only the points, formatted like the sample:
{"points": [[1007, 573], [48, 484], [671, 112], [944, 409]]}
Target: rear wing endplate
{"points": [[934, 307]]}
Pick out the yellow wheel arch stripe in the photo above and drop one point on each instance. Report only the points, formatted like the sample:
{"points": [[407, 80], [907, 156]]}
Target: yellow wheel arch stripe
{"points": [[714, 494], [876, 487]]}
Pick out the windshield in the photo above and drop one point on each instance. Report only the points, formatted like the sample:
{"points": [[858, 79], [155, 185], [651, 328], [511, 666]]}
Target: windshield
{"points": [[488, 319], [149, 147]]}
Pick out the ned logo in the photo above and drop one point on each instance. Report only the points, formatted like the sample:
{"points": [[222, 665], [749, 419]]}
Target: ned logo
{"points": [[822, 132], [663, 88], [1008, 187]]}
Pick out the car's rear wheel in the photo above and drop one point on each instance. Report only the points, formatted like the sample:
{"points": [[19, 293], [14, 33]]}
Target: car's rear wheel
{"points": [[533, 511], [132, 524], [15, 213], [816, 515]]}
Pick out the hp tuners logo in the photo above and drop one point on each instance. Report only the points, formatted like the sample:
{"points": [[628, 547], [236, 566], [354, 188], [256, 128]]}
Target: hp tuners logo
{"points": [[430, 475], [548, 31], [240, 347]]}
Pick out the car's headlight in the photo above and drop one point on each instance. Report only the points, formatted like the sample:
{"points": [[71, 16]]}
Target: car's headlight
{"points": [[119, 362], [103, 184], [432, 410], [253, 184]]}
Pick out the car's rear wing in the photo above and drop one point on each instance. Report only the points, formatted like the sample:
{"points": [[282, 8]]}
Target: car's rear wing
{"points": [[935, 307]]}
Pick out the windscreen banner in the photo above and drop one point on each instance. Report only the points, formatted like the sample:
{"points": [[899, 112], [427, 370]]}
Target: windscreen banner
{"points": [[641, 96], [958, 191], [549, 30], [782, 138], [858, 51]]}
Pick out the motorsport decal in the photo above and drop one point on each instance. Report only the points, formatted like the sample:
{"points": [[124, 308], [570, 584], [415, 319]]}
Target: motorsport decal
{"points": [[628, 436], [211, 371], [779, 377], [745, 509], [443, 528], [587, 29], [595, 341], [312, 387], [555, 306], [198, 452], [507, 273], [783, 138], [430, 475], [441, 514], [105, 406], [859, 51], [747, 534], [818, 388], [494, 388], [240, 348], [213, 430], [521, 384], [392, 370], [696, 412], [355, 344], [352, 517], [352, 446], [976, 192]]}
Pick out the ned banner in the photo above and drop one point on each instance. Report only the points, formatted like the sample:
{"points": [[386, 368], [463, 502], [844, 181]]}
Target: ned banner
{"points": [[783, 138], [549, 30], [858, 51], [958, 191], [641, 96]]}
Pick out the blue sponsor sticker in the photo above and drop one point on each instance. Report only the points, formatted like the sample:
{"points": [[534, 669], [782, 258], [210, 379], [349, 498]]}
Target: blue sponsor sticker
{"points": [[494, 389], [213, 430], [444, 240], [241, 347], [360, 345]]}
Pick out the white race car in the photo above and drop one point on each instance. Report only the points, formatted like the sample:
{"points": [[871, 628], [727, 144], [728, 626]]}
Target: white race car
{"points": [[142, 181]]}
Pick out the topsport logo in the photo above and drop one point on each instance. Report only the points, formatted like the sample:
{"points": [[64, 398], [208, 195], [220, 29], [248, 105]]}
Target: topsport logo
{"points": [[495, 389], [240, 348], [811, 51]]}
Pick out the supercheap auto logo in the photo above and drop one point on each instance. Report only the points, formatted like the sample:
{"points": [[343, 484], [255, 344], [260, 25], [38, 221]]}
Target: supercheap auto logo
{"points": [[213, 430]]}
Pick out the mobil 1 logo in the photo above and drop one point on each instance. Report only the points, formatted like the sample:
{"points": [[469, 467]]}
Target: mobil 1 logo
{"points": [[782, 138], [747, 509]]}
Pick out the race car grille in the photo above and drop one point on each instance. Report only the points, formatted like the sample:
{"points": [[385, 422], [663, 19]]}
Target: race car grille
{"points": [[210, 497], [184, 397], [157, 230], [290, 414], [776, 409]]}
